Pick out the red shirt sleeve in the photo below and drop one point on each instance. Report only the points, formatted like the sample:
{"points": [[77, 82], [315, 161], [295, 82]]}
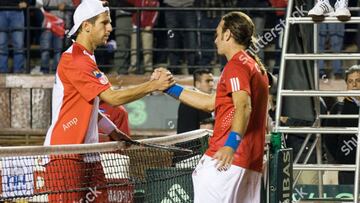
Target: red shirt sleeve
{"points": [[120, 117], [237, 77], [87, 79]]}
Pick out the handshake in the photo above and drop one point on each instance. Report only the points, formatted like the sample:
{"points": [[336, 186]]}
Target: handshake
{"points": [[161, 79]]}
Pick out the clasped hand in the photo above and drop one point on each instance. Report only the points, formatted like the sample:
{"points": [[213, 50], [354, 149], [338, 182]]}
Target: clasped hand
{"points": [[162, 78]]}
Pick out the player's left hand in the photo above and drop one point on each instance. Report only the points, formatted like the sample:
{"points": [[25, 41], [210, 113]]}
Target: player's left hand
{"points": [[224, 157], [165, 81], [156, 73]]}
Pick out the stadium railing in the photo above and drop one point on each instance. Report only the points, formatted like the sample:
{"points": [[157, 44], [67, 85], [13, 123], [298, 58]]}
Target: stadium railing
{"points": [[34, 51]]}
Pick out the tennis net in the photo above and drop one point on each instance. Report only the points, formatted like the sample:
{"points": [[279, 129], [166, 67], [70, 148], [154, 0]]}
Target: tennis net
{"points": [[102, 172]]}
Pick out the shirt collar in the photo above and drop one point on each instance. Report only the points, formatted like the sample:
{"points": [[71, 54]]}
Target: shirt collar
{"points": [[83, 48], [237, 55]]}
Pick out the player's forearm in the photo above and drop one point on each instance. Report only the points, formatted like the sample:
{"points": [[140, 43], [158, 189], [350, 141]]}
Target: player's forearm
{"points": [[241, 118], [199, 100], [123, 96]]}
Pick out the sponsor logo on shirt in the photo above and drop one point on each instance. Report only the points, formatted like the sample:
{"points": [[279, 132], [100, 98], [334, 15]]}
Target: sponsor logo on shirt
{"points": [[71, 123], [101, 77]]}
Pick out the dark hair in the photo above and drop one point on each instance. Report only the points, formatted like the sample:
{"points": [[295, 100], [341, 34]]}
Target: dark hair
{"points": [[243, 30], [352, 69], [90, 20], [199, 72]]}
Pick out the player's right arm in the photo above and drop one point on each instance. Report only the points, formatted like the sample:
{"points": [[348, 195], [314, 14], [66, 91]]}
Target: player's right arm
{"points": [[199, 100], [123, 96], [196, 99]]}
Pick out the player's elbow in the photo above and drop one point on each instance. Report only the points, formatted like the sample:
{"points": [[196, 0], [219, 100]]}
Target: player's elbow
{"points": [[245, 108], [209, 104], [248, 110], [209, 107]]}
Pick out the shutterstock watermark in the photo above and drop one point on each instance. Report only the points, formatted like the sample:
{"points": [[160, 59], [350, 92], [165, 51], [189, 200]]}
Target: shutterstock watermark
{"points": [[264, 39], [349, 145], [90, 196]]}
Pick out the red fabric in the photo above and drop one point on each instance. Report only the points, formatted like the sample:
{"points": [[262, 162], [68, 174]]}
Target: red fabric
{"points": [[82, 82], [147, 18], [55, 24], [279, 4], [118, 115], [237, 76]]}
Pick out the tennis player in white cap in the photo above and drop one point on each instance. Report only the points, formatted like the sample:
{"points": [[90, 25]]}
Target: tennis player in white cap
{"points": [[79, 85]]}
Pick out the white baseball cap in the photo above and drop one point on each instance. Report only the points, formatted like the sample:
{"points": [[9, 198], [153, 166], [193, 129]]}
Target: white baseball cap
{"points": [[86, 10]]}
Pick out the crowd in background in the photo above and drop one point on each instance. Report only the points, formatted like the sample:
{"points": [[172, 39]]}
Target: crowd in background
{"points": [[181, 40]]}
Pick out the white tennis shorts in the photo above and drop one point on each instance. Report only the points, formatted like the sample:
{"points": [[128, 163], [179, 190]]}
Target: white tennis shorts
{"points": [[235, 185]]}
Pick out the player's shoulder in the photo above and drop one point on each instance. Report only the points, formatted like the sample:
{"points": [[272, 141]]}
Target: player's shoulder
{"points": [[245, 62], [241, 59], [75, 57]]}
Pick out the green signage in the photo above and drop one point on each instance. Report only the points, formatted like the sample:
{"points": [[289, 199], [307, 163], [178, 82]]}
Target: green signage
{"points": [[137, 112], [281, 176]]}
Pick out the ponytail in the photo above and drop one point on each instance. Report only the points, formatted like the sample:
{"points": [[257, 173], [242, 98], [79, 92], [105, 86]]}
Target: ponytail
{"points": [[253, 55]]}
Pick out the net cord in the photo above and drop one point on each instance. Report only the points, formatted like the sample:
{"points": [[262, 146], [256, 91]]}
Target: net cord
{"points": [[98, 147]]}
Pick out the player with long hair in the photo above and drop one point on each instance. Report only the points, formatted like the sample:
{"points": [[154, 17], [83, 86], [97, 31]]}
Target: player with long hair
{"points": [[230, 170]]}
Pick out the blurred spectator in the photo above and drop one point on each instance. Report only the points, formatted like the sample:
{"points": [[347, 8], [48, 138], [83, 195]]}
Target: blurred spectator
{"points": [[160, 40], [279, 4], [147, 21], [280, 15], [190, 118], [210, 20], [52, 37], [332, 34], [323, 8], [36, 19], [341, 147], [273, 81], [352, 38], [118, 115], [12, 21], [181, 39], [123, 31]]}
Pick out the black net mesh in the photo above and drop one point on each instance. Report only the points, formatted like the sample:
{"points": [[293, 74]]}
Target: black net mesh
{"points": [[133, 174]]}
